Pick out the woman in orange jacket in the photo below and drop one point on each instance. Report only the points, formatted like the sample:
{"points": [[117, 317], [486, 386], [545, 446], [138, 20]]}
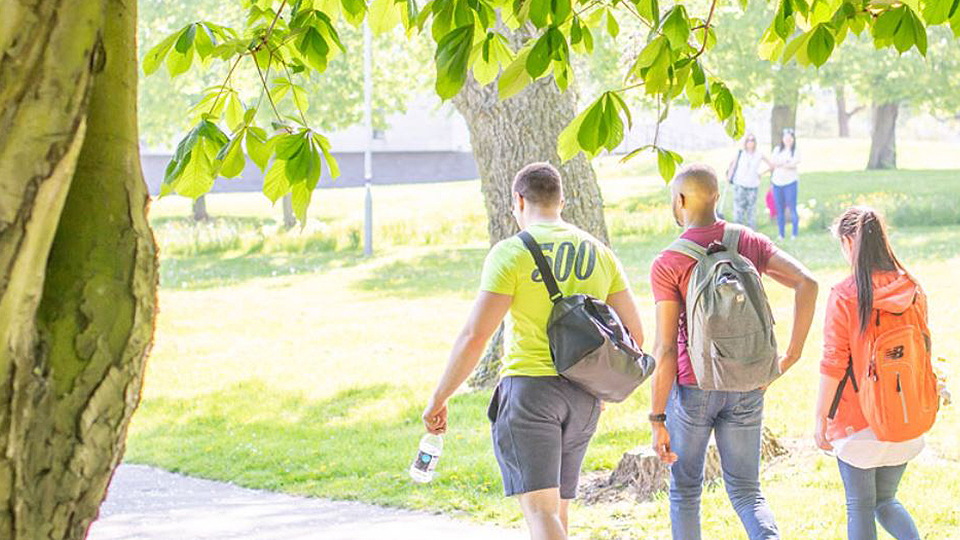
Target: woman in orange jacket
{"points": [[879, 294]]}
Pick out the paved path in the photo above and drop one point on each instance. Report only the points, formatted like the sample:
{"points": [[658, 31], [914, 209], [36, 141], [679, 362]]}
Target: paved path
{"points": [[145, 503]]}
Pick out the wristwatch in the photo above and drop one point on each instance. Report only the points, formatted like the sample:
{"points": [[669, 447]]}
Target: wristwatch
{"points": [[657, 418]]}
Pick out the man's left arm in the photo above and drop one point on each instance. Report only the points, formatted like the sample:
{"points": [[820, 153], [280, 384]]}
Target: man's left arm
{"points": [[488, 311], [790, 272]]}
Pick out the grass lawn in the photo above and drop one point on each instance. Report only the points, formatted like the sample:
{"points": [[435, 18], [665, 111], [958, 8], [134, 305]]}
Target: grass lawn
{"points": [[287, 361]]}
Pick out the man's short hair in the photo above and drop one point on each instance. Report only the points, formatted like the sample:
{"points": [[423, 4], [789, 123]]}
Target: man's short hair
{"points": [[540, 184], [700, 172]]}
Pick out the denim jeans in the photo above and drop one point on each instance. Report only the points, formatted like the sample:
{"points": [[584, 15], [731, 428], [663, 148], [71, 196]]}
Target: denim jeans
{"points": [[786, 198], [872, 494], [736, 420]]}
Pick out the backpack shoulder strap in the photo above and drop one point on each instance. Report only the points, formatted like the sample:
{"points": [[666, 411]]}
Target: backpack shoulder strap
{"points": [[689, 248], [545, 272], [848, 375], [731, 236]]}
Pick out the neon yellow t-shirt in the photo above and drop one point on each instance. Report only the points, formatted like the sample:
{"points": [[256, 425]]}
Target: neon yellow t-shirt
{"points": [[581, 265]]}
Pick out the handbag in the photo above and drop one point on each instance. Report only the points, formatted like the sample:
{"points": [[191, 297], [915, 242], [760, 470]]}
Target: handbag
{"points": [[589, 344]]}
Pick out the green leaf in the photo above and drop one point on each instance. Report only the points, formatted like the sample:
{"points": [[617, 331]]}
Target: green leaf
{"points": [[324, 145], [723, 101], [384, 16], [231, 159], [185, 41], [179, 63], [560, 10], [649, 11], [354, 11], [259, 147], [613, 28], [820, 45], [940, 11], [204, 41], [592, 133], [234, 112], [300, 200], [666, 164], [314, 49], [300, 98], [612, 122], [539, 57], [567, 144], [155, 55], [289, 145], [887, 24], [650, 53], [676, 27], [515, 77], [275, 183], [453, 53], [298, 165], [783, 21], [539, 12], [198, 175], [656, 79]]}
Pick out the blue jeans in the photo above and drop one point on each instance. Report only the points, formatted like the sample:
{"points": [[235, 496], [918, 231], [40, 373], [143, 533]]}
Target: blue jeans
{"points": [[786, 198], [736, 418], [872, 493]]}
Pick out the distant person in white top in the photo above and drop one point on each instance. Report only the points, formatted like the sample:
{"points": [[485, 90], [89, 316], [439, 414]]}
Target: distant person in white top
{"points": [[744, 174], [785, 178]]}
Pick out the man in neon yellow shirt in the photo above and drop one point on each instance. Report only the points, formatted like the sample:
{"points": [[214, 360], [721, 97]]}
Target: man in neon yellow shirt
{"points": [[541, 423]]}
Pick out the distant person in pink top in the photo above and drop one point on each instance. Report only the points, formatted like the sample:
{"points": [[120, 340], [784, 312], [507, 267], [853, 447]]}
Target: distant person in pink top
{"points": [[682, 431]]}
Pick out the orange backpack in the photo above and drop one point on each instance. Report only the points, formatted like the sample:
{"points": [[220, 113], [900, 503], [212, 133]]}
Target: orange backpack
{"points": [[897, 389]]}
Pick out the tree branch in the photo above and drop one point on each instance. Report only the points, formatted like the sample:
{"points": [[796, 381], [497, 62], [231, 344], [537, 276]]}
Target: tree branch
{"points": [[706, 29]]}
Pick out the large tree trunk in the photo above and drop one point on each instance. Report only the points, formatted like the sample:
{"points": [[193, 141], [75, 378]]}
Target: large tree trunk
{"points": [[506, 135], [78, 270], [843, 114], [783, 116], [883, 136], [200, 209]]}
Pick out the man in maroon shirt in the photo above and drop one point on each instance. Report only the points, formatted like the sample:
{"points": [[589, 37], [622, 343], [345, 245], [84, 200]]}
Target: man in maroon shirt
{"points": [[681, 435]]}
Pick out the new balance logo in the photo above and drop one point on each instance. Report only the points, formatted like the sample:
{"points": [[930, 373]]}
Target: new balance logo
{"points": [[895, 353]]}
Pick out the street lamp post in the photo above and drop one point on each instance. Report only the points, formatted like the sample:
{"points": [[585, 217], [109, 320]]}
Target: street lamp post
{"points": [[368, 153]]}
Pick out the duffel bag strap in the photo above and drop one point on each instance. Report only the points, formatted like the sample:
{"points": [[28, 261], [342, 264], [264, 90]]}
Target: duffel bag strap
{"points": [[545, 272]]}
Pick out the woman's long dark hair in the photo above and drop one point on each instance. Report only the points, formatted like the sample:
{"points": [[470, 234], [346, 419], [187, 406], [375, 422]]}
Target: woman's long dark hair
{"points": [[793, 147], [871, 253]]}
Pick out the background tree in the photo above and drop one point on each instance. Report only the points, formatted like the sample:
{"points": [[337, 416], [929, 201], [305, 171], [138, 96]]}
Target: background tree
{"points": [[754, 80]]}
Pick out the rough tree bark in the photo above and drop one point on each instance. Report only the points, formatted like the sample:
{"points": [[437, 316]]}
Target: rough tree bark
{"points": [[78, 269], [508, 134], [200, 209], [289, 220], [843, 114], [883, 136]]}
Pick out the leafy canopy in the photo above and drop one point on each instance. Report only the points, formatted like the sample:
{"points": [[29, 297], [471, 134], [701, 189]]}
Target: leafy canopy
{"points": [[285, 40]]}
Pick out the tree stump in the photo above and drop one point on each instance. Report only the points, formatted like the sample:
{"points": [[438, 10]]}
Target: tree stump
{"points": [[640, 473]]}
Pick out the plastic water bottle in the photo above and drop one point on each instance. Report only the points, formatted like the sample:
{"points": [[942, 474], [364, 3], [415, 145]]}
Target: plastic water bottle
{"points": [[431, 446]]}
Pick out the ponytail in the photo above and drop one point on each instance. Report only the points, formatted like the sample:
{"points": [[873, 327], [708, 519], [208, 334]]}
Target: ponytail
{"points": [[871, 253]]}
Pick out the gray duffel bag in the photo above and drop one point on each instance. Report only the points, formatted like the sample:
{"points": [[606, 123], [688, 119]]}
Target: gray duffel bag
{"points": [[589, 344]]}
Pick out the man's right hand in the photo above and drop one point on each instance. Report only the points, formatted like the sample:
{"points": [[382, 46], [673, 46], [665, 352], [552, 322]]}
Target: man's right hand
{"points": [[435, 417], [661, 443]]}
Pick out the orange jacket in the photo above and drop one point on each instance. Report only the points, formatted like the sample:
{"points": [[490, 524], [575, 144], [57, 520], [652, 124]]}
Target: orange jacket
{"points": [[842, 339]]}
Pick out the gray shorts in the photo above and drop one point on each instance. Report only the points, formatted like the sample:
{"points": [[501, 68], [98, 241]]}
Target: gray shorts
{"points": [[541, 427]]}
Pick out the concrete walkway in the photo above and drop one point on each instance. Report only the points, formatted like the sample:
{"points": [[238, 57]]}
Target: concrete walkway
{"points": [[150, 504]]}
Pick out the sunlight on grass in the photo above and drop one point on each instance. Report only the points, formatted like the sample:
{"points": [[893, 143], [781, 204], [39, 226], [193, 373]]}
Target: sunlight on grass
{"points": [[304, 367]]}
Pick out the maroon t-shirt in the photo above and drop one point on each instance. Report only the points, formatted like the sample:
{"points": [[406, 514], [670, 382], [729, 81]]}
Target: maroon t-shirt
{"points": [[671, 273]]}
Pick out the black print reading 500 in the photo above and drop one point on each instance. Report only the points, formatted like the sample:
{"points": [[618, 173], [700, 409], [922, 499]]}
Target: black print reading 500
{"points": [[569, 259]]}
